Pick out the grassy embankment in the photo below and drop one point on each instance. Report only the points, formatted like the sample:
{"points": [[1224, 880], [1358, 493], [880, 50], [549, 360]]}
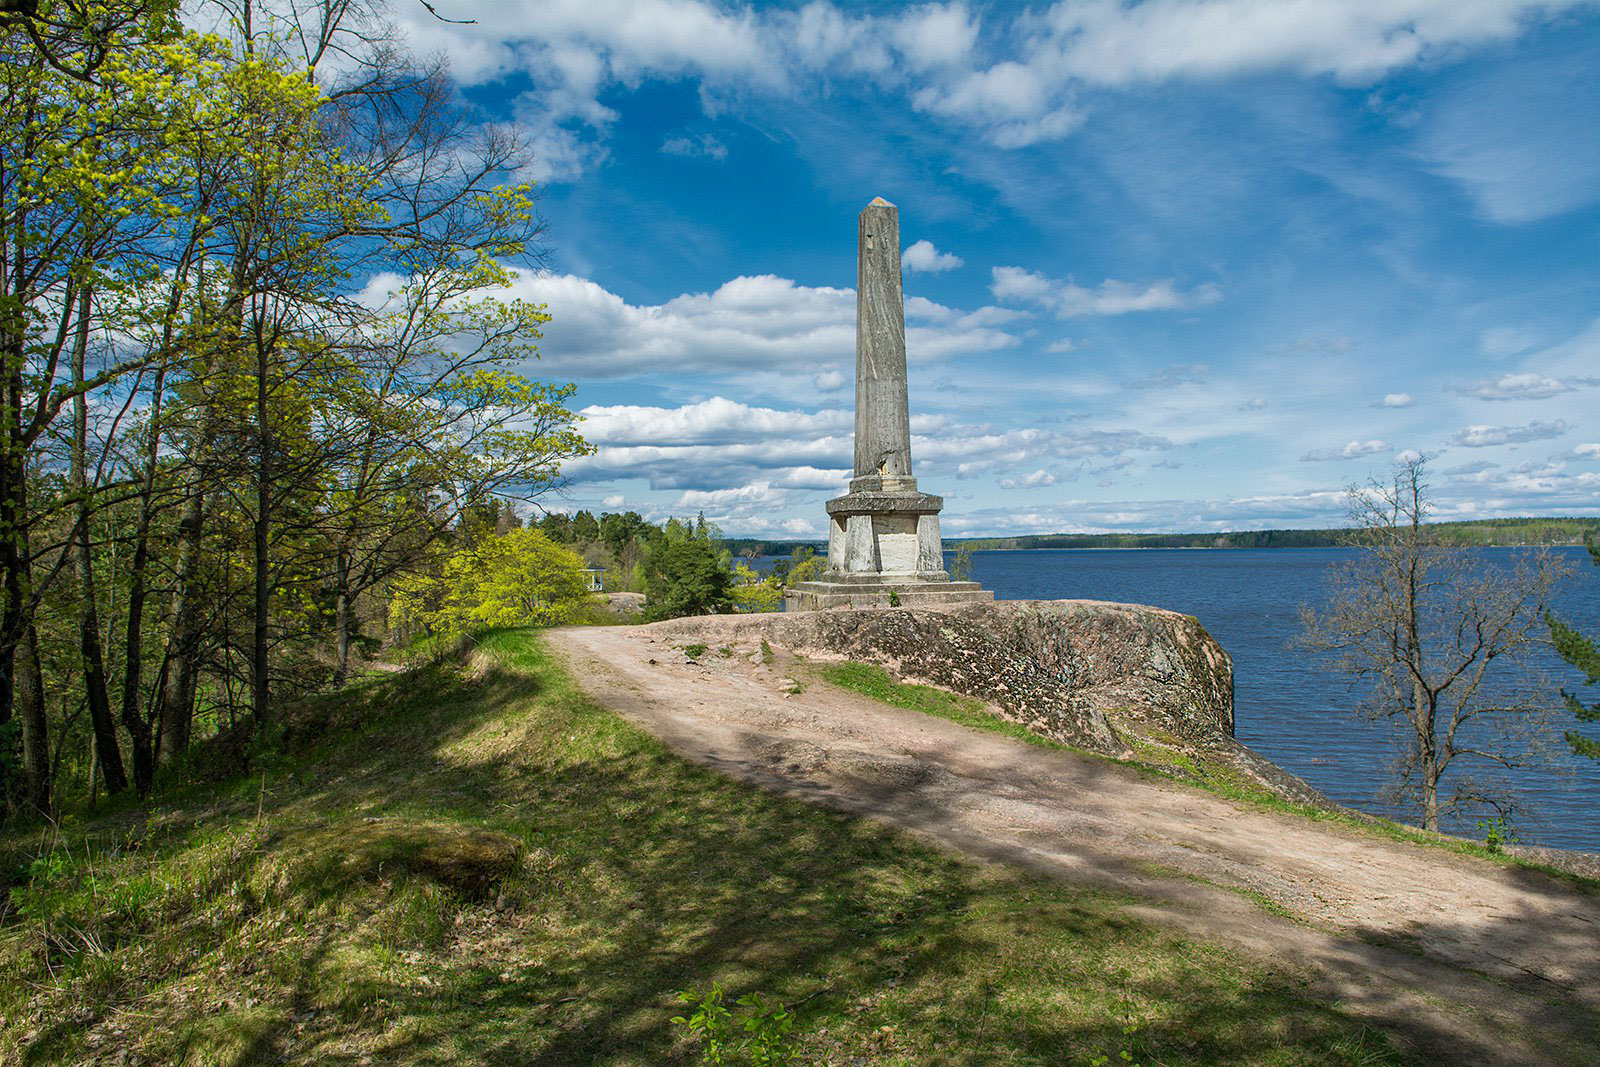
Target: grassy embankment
{"points": [[476, 864], [1164, 760]]}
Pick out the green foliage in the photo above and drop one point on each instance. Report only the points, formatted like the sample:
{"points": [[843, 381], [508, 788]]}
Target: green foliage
{"points": [[1497, 834], [751, 592], [685, 576], [894, 599], [519, 578], [761, 1038], [694, 651], [961, 564], [1582, 653]]}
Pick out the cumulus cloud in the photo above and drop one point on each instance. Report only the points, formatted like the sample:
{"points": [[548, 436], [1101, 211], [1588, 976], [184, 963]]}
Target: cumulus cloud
{"points": [[1523, 387], [719, 444], [1111, 297], [1351, 450], [718, 420], [922, 256], [1485, 436], [1033, 480], [1398, 400], [750, 322], [1587, 451]]}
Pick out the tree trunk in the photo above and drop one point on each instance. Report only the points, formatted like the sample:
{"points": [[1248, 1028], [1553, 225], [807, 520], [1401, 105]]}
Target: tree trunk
{"points": [[94, 673], [177, 695], [134, 719], [341, 616], [260, 691], [35, 728], [1428, 751]]}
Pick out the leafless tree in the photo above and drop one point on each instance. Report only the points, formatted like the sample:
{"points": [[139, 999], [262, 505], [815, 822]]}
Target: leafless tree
{"points": [[1435, 631]]}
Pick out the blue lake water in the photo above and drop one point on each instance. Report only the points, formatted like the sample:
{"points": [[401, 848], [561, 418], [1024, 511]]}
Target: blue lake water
{"points": [[1289, 705]]}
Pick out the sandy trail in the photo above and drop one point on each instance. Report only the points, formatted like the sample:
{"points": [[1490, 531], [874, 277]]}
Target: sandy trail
{"points": [[1477, 963]]}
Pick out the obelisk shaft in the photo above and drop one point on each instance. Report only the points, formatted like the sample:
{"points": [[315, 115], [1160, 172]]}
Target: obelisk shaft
{"points": [[883, 422]]}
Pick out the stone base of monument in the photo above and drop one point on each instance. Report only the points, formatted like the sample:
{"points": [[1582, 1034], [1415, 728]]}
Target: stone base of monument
{"points": [[882, 591], [884, 551]]}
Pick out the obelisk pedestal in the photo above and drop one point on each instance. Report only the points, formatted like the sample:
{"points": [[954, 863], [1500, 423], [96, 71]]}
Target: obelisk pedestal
{"points": [[884, 547]]}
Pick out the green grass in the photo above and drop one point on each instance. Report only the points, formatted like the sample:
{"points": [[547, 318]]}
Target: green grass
{"points": [[473, 863], [873, 681]]}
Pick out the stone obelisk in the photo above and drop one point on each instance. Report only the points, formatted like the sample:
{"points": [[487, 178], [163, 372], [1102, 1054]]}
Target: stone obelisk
{"points": [[883, 535]]}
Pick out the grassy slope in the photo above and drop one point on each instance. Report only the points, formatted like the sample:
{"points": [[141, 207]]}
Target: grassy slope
{"points": [[1165, 761], [486, 867]]}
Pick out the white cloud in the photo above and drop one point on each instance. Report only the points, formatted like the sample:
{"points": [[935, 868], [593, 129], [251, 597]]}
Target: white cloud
{"points": [[1035, 480], [717, 420], [1024, 88], [828, 381], [1254, 403], [1486, 436], [935, 35], [705, 145], [922, 256], [1398, 400], [1587, 451], [1110, 297], [751, 322], [1522, 387], [1351, 450], [616, 500], [720, 443]]}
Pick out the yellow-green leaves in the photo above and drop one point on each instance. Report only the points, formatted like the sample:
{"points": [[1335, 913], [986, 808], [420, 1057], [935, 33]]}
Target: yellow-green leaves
{"points": [[516, 579]]}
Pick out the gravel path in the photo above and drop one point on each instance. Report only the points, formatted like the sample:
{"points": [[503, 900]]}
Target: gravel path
{"points": [[1478, 963]]}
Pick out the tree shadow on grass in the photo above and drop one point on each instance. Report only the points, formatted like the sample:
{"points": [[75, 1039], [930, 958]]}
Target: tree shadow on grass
{"points": [[643, 875]]}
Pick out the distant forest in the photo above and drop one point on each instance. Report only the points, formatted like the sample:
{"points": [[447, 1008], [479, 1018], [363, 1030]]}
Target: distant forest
{"points": [[1522, 531]]}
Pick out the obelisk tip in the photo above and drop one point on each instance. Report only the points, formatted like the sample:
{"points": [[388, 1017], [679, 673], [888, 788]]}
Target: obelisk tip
{"points": [[879, 201]]}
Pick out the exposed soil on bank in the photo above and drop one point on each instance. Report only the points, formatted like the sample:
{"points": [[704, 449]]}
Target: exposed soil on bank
{"points": [[1475, 961]]}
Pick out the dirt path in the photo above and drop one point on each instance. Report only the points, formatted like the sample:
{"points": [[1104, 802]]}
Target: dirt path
{"points": [[1478, 963]]}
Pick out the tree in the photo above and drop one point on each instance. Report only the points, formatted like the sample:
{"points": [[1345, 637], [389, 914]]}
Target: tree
{"points": [[751, 592], [519, 579], [1581, 652], [1432, 630], [685, 577]]}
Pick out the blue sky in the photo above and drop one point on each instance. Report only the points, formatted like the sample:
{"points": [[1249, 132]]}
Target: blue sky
{"points": [[1171, 265]]}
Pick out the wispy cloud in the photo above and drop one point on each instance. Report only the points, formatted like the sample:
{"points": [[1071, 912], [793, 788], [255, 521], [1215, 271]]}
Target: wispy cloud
{"points": [[705, 145], [1523, 387], [1111, 297], [1486, 436], [1351, 450]]}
